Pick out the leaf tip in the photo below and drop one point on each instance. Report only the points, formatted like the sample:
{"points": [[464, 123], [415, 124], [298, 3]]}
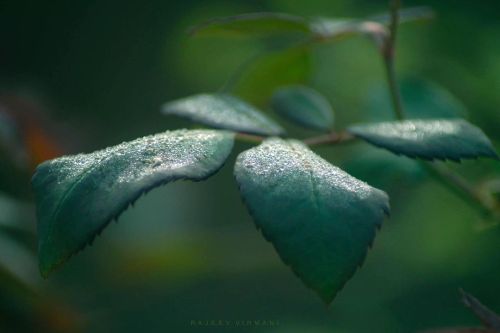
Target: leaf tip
{"points": [[327, 298], [46, 267]]}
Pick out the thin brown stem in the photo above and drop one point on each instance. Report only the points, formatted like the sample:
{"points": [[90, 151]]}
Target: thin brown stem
{"points": [[328, 139], [249, 138]]}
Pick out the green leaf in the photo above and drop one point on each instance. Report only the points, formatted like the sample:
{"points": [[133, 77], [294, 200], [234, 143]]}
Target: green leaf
{"points": [[253, 24], [223, 111], [304, 106], [422, 99], [320, 219], [264, 24], [333, 29], [77, 196], [428, 139], [272, 70]]}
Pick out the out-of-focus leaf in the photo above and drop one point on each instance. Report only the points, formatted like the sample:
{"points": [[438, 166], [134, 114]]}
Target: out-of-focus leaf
{"points": [[422, 100], [264, 24], [223, 111], [14, 159], [24, 309], [77, 196], [320, 219], [272, 70], [252, 24], [27, 130], [428, 139], [332, 27], [26, 139], [17, 221], [17, 259], [11, 138], [491, 188], [304, 106], [329, 29], [14, 179]]}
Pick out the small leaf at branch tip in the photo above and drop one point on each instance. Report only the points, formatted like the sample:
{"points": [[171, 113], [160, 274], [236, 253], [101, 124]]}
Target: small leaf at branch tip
{"points": [[440, 139], [320, 219], [223, 111], [77, 196]]}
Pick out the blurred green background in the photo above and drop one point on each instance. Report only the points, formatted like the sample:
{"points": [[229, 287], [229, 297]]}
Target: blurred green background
{"points": [[76, 76]]}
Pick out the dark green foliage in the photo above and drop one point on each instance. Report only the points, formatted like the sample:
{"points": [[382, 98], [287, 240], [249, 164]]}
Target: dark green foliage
{"points": [[320, 219], [77, 196]]}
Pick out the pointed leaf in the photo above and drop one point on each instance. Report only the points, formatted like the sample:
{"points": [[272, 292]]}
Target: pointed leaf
{"points": [[256, 24], [77, 196], [320, 219], [223, 111], [304, 106], [428, 139]]}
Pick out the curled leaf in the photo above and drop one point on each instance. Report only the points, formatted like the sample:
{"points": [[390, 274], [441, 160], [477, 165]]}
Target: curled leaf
{"points": [[77, 196]]}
